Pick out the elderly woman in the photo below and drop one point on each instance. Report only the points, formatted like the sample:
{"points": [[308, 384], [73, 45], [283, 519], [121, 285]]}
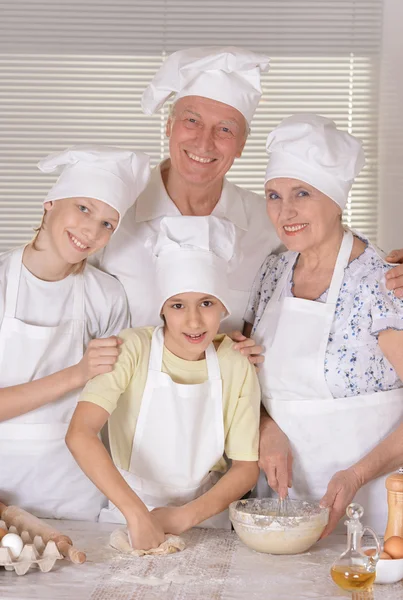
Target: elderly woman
{"points": [[332, 378]]}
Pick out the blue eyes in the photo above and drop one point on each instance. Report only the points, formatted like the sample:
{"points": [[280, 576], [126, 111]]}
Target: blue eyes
{"points": [[82, 208], [274, 196]]}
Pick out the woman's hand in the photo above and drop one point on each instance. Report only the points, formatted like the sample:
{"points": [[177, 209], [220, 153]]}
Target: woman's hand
{"points": [[173, 519], [145, 532], [341, 490], [275, 456], [247, 347], [394, 277], [100, 356]]}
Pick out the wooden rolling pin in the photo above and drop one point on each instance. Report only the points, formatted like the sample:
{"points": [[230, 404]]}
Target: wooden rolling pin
{"points": [[24, 521], [394, 485]]}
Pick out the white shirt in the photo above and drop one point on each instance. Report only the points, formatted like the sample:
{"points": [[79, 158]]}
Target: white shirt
{"points": [[127, 258], [49, 303]]}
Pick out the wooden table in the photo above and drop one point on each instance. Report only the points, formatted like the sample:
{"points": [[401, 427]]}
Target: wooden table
{"points": [[214, 566]]}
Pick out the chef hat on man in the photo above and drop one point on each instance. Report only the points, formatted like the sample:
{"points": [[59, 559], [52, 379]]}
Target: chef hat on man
{"points": [[230, 75], [192, 255], [113, 175], [310, 148]]}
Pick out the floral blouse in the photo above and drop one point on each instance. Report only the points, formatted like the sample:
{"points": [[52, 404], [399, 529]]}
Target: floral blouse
{"points": [[354, 363]]}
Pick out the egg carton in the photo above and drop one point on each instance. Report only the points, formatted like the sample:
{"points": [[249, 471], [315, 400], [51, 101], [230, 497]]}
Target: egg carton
{"points": [[33, 554]]}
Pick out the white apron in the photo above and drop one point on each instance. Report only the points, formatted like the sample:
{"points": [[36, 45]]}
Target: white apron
{"points": [[179, 438], [37, 471], [326, 434]]}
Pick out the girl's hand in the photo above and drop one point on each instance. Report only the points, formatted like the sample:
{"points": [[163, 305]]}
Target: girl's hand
{"points": [[99, 358]]}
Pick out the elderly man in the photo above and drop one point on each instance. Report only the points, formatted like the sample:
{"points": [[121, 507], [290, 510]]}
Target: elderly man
{"points": [[216, 92]]}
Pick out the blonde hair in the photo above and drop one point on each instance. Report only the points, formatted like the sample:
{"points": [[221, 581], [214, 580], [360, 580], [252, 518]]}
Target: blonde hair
{"points": [[76, 269]]}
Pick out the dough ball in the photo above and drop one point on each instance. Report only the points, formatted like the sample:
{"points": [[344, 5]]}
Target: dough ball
{"points": [[119, 540]]}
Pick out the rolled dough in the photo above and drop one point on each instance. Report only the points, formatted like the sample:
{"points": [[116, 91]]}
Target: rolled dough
{"points": [[119, 540]]}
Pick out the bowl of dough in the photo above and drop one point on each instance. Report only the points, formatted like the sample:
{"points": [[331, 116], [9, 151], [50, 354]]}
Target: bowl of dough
{"points": [[259, 525]]}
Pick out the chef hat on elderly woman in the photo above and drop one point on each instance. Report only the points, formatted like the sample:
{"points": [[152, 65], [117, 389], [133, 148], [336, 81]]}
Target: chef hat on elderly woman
{"points": [[230, 75], [192, 254], [310, 148], [113, 175]]}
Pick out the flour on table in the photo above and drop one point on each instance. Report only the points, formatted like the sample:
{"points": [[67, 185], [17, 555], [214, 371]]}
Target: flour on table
{"points": [[119, 540]]}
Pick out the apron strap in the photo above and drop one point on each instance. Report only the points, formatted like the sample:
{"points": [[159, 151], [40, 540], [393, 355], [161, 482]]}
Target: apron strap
{"points": [[157, 349], [342, 261], [13, 283]]}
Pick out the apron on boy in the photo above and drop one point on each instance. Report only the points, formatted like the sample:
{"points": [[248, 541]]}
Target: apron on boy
{"points": [[179, 438]]}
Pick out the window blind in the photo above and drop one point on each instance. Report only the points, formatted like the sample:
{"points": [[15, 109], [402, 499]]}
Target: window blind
{"points": [[74, 73]]}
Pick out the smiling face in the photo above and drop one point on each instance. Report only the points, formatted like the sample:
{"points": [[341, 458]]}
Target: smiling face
{"points": [[303, 216], [192, 321], [76, 227], [205, 137]]}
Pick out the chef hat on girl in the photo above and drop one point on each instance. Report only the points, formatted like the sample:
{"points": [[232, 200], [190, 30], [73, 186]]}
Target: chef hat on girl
{"points": [[192, 255], [310, 148], [230, 75], [113, 175]]}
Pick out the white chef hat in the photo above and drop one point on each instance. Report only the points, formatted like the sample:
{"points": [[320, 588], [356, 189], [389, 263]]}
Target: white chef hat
{"points": [[113, 175], [230, 75], [310, 148], [193, 255]]}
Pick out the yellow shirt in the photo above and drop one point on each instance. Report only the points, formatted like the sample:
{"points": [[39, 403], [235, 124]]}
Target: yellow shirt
{"points": [[120, 393]]}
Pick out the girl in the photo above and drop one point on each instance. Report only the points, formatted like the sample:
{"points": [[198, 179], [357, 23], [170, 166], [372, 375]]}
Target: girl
{"points": [[51, 305], [179, 397]]}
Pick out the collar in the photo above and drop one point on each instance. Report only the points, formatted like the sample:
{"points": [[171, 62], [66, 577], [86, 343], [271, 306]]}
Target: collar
{"points": [[154, 202]]}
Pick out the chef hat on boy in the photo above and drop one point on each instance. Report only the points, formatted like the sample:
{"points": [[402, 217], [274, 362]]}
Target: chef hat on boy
{"points": [[113, 175], [230, 75], [310, 148], [192, 255]]}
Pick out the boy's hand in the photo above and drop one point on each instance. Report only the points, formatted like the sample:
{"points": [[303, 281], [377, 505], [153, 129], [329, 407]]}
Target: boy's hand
{"points": [[173, 519], [145, 532]]}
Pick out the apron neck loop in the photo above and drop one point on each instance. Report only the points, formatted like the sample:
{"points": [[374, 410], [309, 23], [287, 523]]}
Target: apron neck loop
{"points": [[342, 261], [157, 352], [13, 283]]}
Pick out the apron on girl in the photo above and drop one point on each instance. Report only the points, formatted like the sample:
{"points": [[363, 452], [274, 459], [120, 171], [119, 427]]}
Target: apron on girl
{"points": [[37, 471], [326, 434], [179, 438]]}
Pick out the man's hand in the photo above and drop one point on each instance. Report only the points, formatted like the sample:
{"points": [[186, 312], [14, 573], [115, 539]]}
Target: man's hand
{"points": [[100, 356], [247, 347], [341, 490], [275, 456], [172, 519], [394, 277], [145, 532]]}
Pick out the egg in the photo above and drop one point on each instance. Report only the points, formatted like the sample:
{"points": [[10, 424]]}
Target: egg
{"points": [[3, 532], [382, 556], [14, 543], [394, 546]]}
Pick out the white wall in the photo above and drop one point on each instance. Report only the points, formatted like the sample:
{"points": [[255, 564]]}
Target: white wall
{"points": [[391, 129]]}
